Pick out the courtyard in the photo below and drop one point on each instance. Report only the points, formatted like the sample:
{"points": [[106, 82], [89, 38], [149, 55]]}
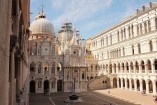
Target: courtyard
{"points": [[99, 97]]}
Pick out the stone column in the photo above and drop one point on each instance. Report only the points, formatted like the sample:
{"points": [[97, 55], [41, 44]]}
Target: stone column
{"points": [[126, 84], [12, 77], [140, 68], [121, 83], [154, 87], [117, 83], [141, 86], [153, 67], [147, 87], [36, 86], [135, 85], [130, 84]]}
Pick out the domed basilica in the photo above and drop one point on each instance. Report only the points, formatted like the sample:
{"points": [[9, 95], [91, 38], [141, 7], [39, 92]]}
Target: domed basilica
{"points": [[57, 63]]}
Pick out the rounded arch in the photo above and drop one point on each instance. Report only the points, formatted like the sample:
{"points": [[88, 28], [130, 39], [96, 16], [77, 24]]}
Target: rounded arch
{"points": [[142, 65], [138, 84], [155, 64], [149, 66], [137, 66], [143, 84], [132, 83], [150, 85], [32, 86], [114, 82], [123, 82], [119, 82], [128, 84]]}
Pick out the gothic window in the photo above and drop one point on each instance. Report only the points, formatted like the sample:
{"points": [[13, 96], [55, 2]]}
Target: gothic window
{"points": [[91, 68], [136, 66], [149, 65], [127, 66], [39, 69]]}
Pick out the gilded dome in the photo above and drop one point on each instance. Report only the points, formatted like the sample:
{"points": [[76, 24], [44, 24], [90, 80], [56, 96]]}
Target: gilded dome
{"points": [[41, 25]]}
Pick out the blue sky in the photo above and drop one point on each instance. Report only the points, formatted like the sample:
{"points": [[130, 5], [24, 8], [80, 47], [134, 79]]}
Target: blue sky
{"points": [[88, 16]]}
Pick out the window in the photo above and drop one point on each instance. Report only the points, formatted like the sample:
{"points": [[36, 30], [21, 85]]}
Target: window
{"points": [[133, 52], [129, 31], [118, 36], [137, 30], [132, 29], [150, 46], [149, 26], [145, 27], [156, 23], [139, 48], [141, 29]]}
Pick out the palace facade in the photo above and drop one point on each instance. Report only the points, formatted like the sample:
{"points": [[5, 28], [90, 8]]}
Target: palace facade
{"points": [[127, 51]]}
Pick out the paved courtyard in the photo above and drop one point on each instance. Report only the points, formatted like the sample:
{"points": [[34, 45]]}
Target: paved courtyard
{"points": [[89, 98]]}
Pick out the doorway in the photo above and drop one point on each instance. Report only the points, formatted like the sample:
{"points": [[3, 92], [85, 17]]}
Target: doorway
{"points": [[59, 85], [32, 86]]}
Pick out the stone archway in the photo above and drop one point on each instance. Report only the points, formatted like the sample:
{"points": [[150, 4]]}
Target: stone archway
{"points": [[128, 85], [150, 86], [32, 86], [144, 84], [114, 82], [132, 82], [138, 85], [46, 85], [119, 82], [59, 85], [123, 82]]}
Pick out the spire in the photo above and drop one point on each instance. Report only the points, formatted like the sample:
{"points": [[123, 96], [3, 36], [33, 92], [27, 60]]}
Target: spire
{"points": [[41, 13]]}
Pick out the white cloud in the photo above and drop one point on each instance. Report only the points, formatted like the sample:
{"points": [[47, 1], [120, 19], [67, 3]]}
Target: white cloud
{"points": [[78, 10]]}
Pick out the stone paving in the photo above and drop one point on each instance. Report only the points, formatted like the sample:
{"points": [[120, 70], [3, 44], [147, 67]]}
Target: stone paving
{"points": [[89, 98], [128, 95]]}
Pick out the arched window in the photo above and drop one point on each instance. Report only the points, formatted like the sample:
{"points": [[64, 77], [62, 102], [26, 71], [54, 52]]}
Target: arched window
{"points": [[133, 51], [131, 66], [141, 29], [124, 34], [149, 26], [156, 23], [137, 30], [155, 64], [145, 27], [123, 51], [127, 67], [139, 48], [118, 36], [149, 65], [136, 66], [150, 46], [132, 29], [129, 31], [123, 66], [143, 65]]}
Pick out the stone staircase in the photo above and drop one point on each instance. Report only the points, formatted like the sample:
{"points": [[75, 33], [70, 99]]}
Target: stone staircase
{"points": [[101, 82]]}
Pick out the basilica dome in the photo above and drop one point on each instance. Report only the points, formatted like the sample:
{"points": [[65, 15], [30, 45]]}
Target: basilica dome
{"points": [[41, 25]]}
